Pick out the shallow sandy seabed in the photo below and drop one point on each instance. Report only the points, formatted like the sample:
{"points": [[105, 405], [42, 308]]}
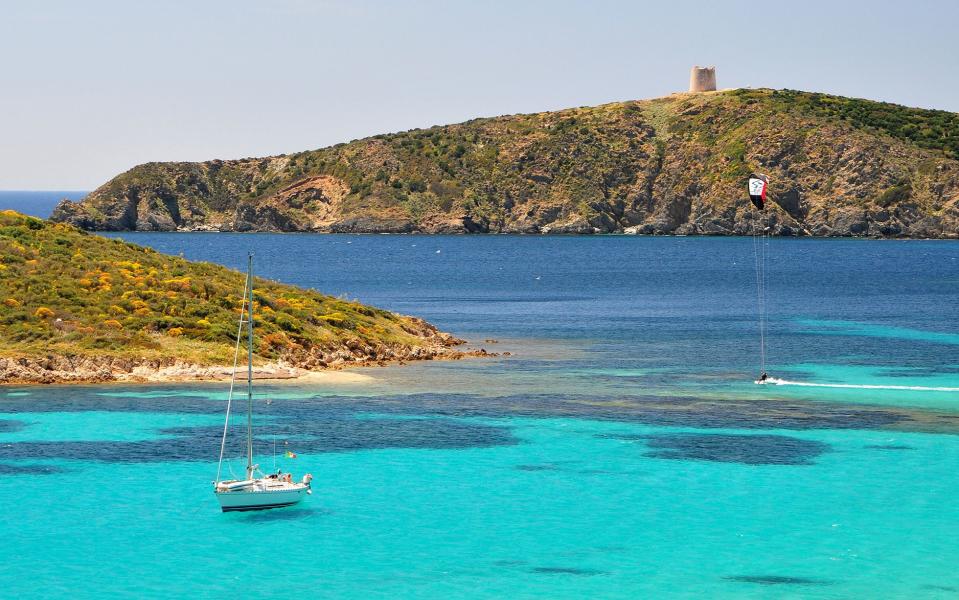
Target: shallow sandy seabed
{"points": [[331, 377], [268, 373]]}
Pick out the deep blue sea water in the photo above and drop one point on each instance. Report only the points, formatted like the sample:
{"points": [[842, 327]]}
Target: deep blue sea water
{"points": [[621, 451], [35, 203]]}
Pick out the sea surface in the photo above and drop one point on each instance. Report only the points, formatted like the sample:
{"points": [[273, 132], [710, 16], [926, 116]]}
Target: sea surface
{"points": [[36, 203], [620, 450]]}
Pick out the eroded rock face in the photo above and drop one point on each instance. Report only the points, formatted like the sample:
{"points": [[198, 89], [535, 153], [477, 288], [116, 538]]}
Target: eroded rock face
{"points": [[668, 166], [372, 224]]}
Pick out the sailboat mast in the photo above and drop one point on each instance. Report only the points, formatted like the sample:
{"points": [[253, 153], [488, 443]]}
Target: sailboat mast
{"points": [[249, 372]]}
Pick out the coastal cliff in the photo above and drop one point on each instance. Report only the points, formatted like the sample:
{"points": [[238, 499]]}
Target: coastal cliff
{"points": [[76, 307], [674, 165]]}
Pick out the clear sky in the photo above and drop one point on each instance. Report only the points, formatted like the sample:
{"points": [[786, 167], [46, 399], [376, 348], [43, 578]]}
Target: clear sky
{"points": [[93, 88]]}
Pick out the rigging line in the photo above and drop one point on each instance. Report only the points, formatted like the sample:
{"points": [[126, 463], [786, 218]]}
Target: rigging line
{"points": [[249, 377], [229, 400], [762, 320], [767, 256], [759, 289], [762, 294], [762, 291]]}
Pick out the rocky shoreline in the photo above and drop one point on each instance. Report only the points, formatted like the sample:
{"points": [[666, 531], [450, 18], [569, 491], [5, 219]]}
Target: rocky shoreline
{"points": [[56, 369], [865, 226]]}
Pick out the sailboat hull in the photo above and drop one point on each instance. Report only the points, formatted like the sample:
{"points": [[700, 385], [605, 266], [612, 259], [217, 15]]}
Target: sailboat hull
{"points": [[259, 499]]}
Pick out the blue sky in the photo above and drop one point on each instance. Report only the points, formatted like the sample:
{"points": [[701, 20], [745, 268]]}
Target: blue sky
{"points": [[93, 88]]}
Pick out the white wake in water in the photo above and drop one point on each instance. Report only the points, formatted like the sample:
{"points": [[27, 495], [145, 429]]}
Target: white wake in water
{"points": [[916, 388]]}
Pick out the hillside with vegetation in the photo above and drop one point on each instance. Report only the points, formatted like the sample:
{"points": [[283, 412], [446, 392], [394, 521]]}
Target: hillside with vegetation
{"points": [[76, 306], [674, 165]]}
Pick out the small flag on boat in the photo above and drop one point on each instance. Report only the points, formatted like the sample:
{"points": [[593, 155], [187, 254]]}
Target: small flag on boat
{"points": [[290, 454]]}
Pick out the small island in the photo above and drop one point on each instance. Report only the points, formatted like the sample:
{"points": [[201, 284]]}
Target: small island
{"points": [[841, 167], [76, 307]]}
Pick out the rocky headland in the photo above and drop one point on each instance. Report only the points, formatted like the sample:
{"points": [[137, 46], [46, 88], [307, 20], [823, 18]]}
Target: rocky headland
{"points": [[675, 165]]}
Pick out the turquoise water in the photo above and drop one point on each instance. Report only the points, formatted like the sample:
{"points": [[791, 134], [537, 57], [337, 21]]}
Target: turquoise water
{"points": [[621, 451], [571, 507]]}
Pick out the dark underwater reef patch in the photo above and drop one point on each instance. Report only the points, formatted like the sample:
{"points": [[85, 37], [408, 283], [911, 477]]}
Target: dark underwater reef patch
{"points": [[730, 448], [940, 588], [680, 411], [9, 469], [82, 398], [567, 571], [10, 425], [776, 580], [917, 371], [329, 434], [659, 411]]}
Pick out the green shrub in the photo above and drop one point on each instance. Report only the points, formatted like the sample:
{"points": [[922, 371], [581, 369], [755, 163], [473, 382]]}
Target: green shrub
{"points": [[894, 195]]}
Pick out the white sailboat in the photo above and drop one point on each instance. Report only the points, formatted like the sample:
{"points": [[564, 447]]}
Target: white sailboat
{"points": [[254, 492]]}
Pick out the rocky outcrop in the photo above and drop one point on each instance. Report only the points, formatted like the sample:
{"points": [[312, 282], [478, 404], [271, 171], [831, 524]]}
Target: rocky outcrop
{"points": [[676, 165], [57, 368]]}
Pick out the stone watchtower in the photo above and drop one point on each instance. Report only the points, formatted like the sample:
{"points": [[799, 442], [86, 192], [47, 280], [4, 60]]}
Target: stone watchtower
{"points": [[702, 79]]}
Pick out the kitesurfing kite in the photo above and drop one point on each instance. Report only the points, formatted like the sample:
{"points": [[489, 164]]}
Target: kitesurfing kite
{"points": [[757, 190], [758, 185]]}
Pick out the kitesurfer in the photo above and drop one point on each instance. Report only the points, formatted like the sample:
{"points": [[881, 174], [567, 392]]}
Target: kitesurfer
{"points": [[758, 186]]}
